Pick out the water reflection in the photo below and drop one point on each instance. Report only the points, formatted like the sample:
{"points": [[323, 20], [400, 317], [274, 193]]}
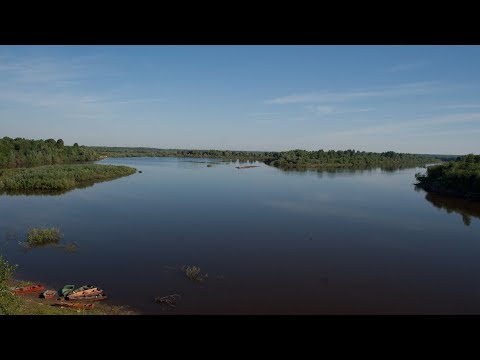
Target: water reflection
{"points": [[354, 170], [46, 192], [272, 242], [466, 208]]}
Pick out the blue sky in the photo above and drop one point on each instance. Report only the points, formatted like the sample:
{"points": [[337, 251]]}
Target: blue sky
{"points": [[419, 99]]}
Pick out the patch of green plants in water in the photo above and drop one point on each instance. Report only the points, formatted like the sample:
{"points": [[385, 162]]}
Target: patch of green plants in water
{"points": [[38, 237], [194, 273]]}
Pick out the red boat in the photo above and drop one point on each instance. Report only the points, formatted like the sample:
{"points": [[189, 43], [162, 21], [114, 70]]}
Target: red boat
{"points": [[28, 289]]}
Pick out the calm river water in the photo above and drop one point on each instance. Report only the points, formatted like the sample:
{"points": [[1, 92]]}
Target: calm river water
{"points": [[271, 241]]}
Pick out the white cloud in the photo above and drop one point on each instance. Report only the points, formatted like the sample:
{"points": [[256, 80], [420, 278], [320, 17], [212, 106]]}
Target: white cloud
{"points": [[461, 106], [408, 66], [49, 84], [329, 96], [322, 110], [412, 125]]}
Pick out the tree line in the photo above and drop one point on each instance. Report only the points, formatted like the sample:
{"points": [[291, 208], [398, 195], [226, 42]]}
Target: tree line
{"points": [[20, 152], [285, 159], [460, 177]]}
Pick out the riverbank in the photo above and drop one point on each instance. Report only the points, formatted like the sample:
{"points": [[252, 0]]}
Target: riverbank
{"points": [[460, 178], [33, 304], [58, 177]]}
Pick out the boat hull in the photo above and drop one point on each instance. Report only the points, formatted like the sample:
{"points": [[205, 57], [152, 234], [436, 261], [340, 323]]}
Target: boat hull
{"points": [[28, 289], [98, 297]]}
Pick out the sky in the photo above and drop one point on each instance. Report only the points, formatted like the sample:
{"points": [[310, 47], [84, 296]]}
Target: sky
{"points": [[415, 99]]}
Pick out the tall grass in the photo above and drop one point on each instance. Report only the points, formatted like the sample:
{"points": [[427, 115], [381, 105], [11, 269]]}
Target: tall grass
{"points": [[41, 237], [59, 177], [8, 302], [194, 274]]}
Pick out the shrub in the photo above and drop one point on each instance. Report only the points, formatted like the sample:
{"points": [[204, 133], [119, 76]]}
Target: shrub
{"points": [[8, 301], [193, 273], [41, 237]]}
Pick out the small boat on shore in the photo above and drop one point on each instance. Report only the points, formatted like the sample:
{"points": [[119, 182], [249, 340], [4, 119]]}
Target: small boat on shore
{"points": [[97, 297], [83, 291], [27, 289], [74, 305], [49, 294], [83, 288], [67, 289]]}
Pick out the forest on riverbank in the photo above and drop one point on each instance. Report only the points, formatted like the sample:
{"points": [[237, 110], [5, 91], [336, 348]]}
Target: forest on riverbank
{"points": [[292, 159], [48, 165], [19, 152], [458, 178]]}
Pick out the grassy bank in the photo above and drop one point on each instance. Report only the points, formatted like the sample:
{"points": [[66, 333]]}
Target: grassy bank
{"points": [[58, 177], [32, 304], [459, 178]]}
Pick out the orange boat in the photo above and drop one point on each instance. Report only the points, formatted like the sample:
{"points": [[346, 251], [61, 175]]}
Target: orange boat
{"points": [[75, 305], [49, 294], [88, 292], [27, 289], [97, 297]]}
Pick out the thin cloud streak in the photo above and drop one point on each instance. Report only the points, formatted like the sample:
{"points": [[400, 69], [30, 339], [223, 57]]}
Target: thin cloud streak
{"points": [[406, 67], [413, 125], [322, 110], [327, 96], [461, 106]]}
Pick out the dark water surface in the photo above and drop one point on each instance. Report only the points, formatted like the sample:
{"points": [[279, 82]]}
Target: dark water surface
{"points": [[271, 241]]}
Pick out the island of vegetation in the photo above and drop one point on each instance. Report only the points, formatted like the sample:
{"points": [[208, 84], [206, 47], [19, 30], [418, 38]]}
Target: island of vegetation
{"points": [[293, 159], [31, 166], [456, 178]]}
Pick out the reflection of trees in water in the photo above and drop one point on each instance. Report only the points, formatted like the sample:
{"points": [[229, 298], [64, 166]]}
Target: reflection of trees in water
{"points": [[331, 171], [466, 208], [45, 192]]}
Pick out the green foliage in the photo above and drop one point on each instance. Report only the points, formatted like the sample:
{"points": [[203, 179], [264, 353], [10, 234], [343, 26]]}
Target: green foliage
{"points": [[460, 177], [58, 177], [348, 158], [8, 302], [148, 152], [20, 152], [42, 237]]}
